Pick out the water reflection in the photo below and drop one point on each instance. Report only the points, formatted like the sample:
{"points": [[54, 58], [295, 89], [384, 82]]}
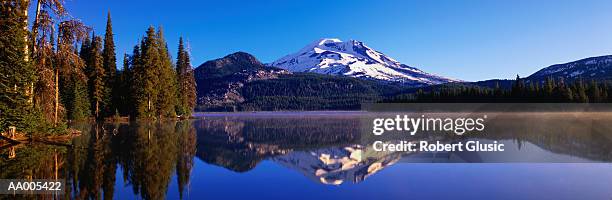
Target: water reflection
{"points": [[335, 150], [240, 144], [148, 157]]}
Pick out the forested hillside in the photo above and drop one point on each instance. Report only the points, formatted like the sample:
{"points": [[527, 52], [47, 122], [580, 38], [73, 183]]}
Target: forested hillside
{"points": [[239, 82], [309, 91]]}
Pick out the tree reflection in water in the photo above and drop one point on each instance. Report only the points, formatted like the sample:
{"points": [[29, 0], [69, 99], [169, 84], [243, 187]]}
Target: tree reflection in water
{"points": [[148, 154], [333, 150], [328, 150]]}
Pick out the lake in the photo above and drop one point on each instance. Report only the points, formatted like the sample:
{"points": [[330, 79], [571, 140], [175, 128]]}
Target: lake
{"points": [[320, 155]]}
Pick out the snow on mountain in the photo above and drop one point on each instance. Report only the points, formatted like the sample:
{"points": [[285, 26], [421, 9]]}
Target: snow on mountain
{"points": [[337, 165], [353, 58], [593, 68]]}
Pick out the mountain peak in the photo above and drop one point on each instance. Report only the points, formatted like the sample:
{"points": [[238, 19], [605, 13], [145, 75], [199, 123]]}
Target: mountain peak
{"points": [[353, 58], [319, 43], [232, 63], [237, 56], [324, 41]]}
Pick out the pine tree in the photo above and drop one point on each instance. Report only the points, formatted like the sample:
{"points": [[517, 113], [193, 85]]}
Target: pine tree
{"points": [[77, 103], [17, 73], [97, 85], [518, 87], [52, 60], [135, 78], [85, 48], [561, 93], [549, 84], [605, 93], [166, 100], [124, 93], [146, 78], [569, 95], [581, 92], [110, 67], [186, 82], [594, 92]]}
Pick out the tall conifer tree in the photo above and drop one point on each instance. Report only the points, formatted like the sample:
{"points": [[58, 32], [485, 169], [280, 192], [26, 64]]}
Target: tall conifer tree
{"points": [[85, 48], [124, 82], [166, 101], [146, 76], [16, 71], [110, 67], [97, 74], [186, 82], [77, 98]]}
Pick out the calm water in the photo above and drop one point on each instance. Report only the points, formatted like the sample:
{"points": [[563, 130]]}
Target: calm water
{"points": [[320, 155]]}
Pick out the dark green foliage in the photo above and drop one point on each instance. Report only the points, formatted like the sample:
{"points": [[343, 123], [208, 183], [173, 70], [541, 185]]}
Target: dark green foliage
{"points": [[307, 91], [145, 86], [152, 79], [186, 94], [87, 84], [85, 48], [110, 67], [166, 100], [40, 70], [186, 152], [17, 73], [98, 90], [550, 91], [124, 94], [76, 89], [594, 92], [90, 166], [76, 98]]}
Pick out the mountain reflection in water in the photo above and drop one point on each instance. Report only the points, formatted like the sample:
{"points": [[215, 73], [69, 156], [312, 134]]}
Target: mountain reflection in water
{"points": [[148, 157]]}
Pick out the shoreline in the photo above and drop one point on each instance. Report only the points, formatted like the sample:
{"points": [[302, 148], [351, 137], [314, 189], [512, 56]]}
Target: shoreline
{"points": [[199, 115]]}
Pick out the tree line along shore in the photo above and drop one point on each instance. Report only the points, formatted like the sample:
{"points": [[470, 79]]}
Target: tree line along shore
{"points": [[551, 90], [55, 69]]}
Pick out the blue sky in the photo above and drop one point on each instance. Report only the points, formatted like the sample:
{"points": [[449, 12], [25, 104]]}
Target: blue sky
{"points": [[469, 40]]}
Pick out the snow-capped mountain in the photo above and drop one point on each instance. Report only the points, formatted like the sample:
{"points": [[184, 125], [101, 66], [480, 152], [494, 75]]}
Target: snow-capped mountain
{"points": [[353, 58], [593, 68], [337, 165]]}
